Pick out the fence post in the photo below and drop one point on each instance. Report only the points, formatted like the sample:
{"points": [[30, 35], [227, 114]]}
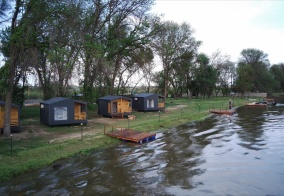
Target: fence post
{"points": [[11, 144], [128, 122], [82, 131]]}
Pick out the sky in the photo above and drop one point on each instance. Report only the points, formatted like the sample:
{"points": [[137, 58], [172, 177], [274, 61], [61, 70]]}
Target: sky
{"points": [[231, 26]]}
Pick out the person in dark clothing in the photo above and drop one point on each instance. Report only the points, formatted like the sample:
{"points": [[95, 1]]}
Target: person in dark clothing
{"points": [[230, 104]]}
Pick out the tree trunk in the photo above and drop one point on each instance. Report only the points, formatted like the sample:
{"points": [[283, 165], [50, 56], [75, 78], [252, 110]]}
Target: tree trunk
{"points": [[8, 100], [13, 62]]}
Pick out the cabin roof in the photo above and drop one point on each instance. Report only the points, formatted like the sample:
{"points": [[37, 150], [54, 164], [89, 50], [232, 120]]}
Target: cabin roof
{"points": [[58, 99], [13, 105], [147, 95], [54, 100], [113, 97]]}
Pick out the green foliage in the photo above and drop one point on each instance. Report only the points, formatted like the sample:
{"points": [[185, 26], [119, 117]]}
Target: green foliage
{"points": [[225, 90], [18, 96], [4, 71], [206, 77], [244, 81], [34, 93], [253, 64], [5, 35], [30, 112], [277, 73], [159, 79], [90, 94]]}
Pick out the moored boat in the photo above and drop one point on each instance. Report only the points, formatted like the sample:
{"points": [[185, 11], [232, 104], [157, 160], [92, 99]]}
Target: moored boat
{"points": [[227, 112], [257, 104]]}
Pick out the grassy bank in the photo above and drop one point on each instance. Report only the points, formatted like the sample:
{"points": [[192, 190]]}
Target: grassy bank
{"points": [[39, 145]]}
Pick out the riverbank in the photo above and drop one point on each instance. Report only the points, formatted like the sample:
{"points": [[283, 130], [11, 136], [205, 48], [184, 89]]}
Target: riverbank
{"points": [[38, 146]]}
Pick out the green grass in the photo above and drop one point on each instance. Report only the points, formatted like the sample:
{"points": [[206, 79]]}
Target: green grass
{"points": [[30, 113], [36, 152], [43, 154], [192, 110]]}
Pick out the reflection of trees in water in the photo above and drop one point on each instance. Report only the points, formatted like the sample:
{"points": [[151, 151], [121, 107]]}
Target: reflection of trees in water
{"points": [[183, 158], [250, 131], [183, 154]]}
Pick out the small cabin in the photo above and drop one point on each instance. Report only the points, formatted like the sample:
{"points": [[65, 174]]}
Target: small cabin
{"points": [[63, 111], [14, 117], [114, 106], [148, 102]]}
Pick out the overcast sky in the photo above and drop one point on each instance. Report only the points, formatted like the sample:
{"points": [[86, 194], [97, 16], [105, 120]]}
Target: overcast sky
{"points": [[231, 26]]}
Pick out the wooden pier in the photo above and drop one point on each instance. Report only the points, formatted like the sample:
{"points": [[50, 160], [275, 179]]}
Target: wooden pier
{"points": [[130, 135], [221, 112]]}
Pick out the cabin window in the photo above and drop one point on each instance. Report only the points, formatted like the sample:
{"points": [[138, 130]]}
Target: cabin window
{"points": [[161, 100], [150, 103], [114, 107], [60, 113], [83, 109]]}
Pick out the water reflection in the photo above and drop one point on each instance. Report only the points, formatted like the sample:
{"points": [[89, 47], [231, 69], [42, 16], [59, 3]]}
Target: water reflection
{"points": [[223, 155], [251, 132]]}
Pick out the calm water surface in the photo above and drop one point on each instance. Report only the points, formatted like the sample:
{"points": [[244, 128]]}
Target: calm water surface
{"points": [[238, 155]]}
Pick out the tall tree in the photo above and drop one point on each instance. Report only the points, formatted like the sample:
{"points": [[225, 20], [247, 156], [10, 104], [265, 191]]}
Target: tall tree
{"points": [[244, 80], [225, 72], [64, 42], [172, 42], [184, 69], [258, 60], [15, 49], [206, 76], [115, 31], [277, 73]]}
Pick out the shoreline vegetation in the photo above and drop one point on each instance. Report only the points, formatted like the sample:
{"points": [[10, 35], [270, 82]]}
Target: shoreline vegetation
{"points": [[38, 146]]}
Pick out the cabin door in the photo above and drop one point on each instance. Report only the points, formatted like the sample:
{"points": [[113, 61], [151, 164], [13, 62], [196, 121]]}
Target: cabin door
{"points": [[114, 107]]}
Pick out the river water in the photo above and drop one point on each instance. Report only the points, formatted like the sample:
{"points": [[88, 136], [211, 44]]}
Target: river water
{"points": [[223, 155]]}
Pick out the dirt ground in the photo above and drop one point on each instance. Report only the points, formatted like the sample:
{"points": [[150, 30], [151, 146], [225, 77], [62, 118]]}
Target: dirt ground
{"points": [[38, 131]]}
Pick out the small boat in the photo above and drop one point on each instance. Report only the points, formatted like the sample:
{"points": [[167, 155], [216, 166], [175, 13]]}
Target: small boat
{"points": [[257, 104], [271, 100], [221, 112]]}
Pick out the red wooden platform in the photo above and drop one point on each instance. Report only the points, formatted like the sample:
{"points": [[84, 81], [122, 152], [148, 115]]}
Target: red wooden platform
{"points": [[227, 112], [131, 135]]}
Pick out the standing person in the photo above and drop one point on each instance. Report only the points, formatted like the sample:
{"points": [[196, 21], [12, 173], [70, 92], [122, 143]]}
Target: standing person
{"points": [[230, 104]]}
